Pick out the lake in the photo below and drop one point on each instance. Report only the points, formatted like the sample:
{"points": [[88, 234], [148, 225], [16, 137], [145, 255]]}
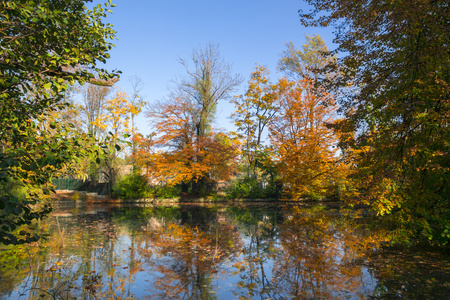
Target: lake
{"points": [[241, 251]]}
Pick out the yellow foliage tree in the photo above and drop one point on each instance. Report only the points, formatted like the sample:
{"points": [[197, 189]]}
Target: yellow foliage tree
{"points": [[116, 119], [254, 110]]}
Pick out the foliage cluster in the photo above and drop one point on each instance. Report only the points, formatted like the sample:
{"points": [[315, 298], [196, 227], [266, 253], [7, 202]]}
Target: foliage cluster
{"points": [[131, 186], [251, 188], [136, 186], [43, 48]]}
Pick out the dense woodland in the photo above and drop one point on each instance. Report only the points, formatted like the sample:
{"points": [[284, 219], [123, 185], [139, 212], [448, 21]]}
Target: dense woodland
{"points": [[365, 124]]}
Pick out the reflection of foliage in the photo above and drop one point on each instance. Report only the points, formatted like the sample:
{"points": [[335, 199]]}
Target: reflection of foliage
{"points": [[191, 257], [252, 268], [246, 216], [256, 251], [313, 256], [259, 227], [408, 275], [138, 218], [56, 266], [243, 215], [318, 256]]}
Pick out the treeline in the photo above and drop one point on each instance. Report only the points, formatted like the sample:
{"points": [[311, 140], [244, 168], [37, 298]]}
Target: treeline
{"points": [[284, 144], [365, 124]]}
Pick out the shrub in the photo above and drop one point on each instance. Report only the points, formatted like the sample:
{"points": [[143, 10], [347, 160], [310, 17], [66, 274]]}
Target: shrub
{"points": [[164, 192], [250, 188], [132, 186]]}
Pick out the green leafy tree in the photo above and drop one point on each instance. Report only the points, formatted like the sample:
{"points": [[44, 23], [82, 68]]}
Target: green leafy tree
{"points": [[397, 131], [44, 47]]}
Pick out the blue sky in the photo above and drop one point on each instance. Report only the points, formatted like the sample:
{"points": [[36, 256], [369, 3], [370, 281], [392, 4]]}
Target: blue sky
{"points": [[154, 34]]}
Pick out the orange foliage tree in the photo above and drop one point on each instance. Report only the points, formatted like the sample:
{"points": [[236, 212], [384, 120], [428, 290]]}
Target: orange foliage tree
{"points": [[194, 154], [143, 152], [304, 145], [186, 157]]}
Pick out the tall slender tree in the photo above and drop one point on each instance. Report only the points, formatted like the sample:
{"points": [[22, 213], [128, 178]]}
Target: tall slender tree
{"points": [[136, 103], [208, 82], [254, 111]]}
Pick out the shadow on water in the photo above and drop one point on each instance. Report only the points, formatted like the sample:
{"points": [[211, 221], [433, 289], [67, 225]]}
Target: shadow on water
{"points": [[257, 251]]}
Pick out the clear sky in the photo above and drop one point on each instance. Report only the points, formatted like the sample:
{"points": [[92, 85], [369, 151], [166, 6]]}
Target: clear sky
{"points": [[154, 34]]}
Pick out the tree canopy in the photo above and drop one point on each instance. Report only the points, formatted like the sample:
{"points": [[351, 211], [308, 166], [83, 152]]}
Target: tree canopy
{"points": [[396, 56], [44, 47]]}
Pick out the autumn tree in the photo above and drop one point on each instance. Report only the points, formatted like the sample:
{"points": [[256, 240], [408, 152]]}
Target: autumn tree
{"points": [[188, 158], [115, 120], [143, 152], [184, 122], [42, 46], [254, 111], [117, 115], [304, 145], [300, 132], [397, 54]]}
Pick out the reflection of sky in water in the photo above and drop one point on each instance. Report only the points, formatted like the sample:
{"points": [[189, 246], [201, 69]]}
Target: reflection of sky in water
{"points": [[136, 263]]}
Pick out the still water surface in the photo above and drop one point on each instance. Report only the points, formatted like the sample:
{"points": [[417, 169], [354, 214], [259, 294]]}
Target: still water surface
{"points": [[216, 252]]}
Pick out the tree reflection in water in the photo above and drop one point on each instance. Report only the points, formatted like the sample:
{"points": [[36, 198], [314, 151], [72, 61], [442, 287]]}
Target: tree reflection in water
{"points": [[318, 257], [213, 252], [189, 257]]}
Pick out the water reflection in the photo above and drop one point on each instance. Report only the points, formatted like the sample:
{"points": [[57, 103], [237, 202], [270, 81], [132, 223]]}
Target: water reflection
{"points": [[215, 252]]}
